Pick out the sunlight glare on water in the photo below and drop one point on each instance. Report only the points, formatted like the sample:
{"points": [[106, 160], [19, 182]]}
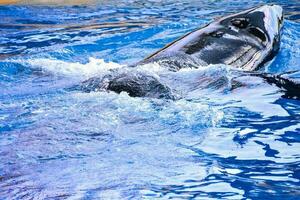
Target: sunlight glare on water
{"points": [[227, 136]]}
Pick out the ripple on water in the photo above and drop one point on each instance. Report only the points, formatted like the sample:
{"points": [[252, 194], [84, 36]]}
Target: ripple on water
{"points": [[229, 135]]}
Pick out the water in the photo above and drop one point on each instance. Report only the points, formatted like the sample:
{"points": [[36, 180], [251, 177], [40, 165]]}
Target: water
{"points": [[220, 140]]}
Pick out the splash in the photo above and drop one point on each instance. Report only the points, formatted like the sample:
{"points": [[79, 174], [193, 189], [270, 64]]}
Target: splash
{"points": [[76, 70]]}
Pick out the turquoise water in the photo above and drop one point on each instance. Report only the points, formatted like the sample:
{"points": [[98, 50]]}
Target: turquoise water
{"points": [[215, 142]]}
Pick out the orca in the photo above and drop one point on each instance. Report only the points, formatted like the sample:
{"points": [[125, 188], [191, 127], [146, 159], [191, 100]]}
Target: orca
{"points": [[245, 41]]}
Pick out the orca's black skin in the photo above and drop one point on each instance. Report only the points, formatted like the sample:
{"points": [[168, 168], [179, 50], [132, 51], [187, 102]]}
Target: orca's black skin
{"points": [[290, 86], [246, 40], [135, 84]]}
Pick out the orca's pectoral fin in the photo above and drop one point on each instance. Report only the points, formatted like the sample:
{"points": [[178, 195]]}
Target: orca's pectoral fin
{"points": [[289, 82]]}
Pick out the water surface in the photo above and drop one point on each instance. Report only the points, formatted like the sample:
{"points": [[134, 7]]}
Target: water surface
{"points": [[215, 142]]}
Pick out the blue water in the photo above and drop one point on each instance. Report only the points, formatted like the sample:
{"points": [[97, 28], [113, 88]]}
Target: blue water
{"points": [[216, 142]]}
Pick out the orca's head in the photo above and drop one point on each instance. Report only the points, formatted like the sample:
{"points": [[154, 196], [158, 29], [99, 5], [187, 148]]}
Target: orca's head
{"points": [[264, 22]]}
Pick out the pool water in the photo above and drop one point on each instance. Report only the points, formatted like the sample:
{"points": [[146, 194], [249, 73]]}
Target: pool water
{"points": [[215, 142]]}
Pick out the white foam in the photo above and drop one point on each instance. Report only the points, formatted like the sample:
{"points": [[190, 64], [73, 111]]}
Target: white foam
{"points": [[123, 108], [72, 69]]}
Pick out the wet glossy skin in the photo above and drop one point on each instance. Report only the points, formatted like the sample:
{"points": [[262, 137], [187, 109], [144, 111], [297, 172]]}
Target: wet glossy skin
{"points": [[245, 40]]}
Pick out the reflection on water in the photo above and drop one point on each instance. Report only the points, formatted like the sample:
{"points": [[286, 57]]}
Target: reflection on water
{"points": [[228, 136], [49, 2]]}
